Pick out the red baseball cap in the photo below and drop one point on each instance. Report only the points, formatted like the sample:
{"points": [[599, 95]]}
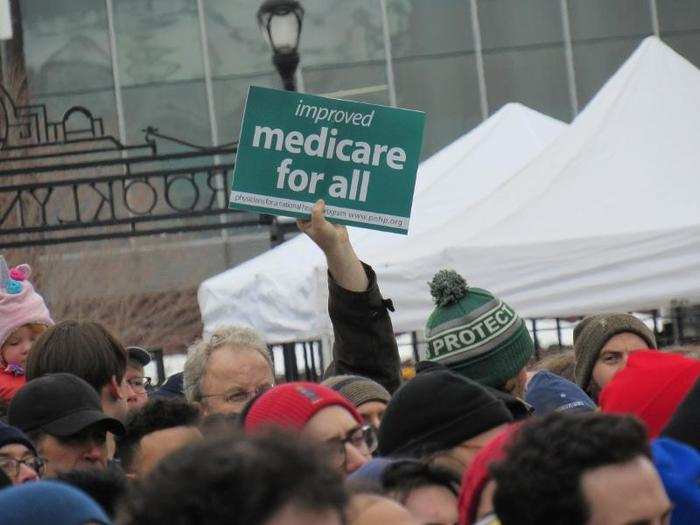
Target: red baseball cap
{"points": [[292, 405]]}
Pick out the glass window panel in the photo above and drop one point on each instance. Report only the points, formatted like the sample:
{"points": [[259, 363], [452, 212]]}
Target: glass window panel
{"points": [[450, 99], [236, 45], [338, 31], [161, 69], [687, 45], [434, 67], [424, 28], [101, 104], [596, 62], [602, 18], [596, 30], [506, 23], [524, 59], [229, 100], [678, 15], [535, 77], [367, 81], [66, 46], [157, 40], [680, 27], [176, 109]]}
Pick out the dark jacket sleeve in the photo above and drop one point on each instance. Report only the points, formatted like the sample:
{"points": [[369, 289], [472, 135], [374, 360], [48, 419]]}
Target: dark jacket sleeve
{"points": [[364, 337]]}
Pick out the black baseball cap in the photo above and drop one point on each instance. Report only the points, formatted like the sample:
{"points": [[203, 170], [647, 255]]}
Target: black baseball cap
{"points": [[138, 354], [60, 405]]}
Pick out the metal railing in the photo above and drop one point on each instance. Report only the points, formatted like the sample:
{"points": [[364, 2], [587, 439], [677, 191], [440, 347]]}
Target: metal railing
{"points": [[67, 181]]}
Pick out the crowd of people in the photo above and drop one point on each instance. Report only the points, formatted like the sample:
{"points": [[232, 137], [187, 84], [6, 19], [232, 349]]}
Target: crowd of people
{"points": [[482, 435]]}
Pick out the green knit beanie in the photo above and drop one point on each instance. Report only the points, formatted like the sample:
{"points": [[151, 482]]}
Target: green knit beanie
{"points": [[474, 333]]}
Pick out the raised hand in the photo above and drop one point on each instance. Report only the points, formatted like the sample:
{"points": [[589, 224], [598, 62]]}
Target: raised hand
{"points": [[325, 234], [333, 239]]}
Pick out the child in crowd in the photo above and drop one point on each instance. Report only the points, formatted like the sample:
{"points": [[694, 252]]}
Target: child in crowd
{"points": [[23, 318]]}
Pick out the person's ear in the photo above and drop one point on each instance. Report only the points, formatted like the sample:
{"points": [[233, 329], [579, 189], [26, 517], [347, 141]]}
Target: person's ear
{"points": [[115, 389], [522, 381]]}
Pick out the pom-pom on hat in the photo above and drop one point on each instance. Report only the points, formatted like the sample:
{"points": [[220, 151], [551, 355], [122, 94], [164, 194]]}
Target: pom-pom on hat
{"points": [[474, 333], [19, 303], [292, 405]]}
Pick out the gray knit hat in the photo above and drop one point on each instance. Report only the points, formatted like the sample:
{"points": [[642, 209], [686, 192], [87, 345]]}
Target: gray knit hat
{"points": [[358, 389], [591, 334]]}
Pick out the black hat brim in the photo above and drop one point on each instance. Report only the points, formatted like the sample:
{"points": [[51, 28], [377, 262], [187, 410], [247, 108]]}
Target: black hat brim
{"points": [[139, 355], [75, 422]]}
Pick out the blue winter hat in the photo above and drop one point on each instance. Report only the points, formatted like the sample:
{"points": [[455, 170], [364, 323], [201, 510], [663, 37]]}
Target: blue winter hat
{"points": [[10, 435], [547, 392], [173, 387], [49, 503], [679, 467]]}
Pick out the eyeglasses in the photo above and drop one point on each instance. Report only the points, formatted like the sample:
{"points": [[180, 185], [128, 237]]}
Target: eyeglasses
{"points": [[139, 383], [241, 396], [11, 465], [363, 438]]}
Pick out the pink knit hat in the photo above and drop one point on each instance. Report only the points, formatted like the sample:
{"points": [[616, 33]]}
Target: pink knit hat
{"points": [[19, 303]]}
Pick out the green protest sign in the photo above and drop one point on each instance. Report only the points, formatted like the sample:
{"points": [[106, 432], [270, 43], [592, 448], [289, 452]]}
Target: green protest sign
{"points": [[297, 148]]}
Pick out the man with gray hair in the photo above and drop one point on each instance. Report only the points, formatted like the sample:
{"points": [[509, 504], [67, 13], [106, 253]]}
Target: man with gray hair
{"points": [[225, 371]]}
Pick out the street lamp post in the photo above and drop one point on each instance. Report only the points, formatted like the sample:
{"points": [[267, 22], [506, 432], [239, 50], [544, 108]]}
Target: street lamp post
{"points": [[280, 22]]}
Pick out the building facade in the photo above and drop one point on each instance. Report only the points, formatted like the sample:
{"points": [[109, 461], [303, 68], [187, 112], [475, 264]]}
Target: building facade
{"points": [[184, 66]]}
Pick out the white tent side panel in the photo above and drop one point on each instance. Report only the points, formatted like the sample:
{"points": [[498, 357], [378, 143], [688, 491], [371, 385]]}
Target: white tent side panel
{"points": [[613, 273], [606, 218]]}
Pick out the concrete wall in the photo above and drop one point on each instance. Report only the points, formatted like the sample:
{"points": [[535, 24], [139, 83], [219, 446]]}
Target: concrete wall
{"points": [[106, 269]]}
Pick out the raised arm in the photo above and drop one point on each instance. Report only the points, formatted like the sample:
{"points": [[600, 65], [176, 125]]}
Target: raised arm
{"points": [[364, 337]]}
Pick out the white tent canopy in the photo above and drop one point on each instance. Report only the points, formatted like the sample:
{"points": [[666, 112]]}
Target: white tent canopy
{"points": [[282, 293], [606, 218]]}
